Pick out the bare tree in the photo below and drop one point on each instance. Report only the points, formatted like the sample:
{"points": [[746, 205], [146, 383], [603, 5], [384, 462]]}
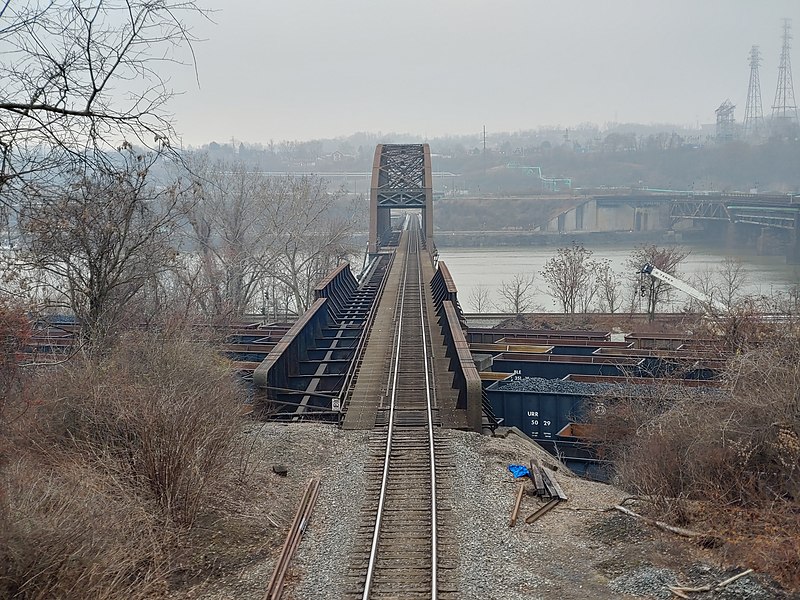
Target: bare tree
{"points": [[516, 294], [570, 278], [653, 290], [98, 243], [588, 292], [310, 238], [81, 78], [789, 302], [231, 237], [609, 286], [479, 298], [259, 242], [724, 282], [732, 280], [705, 280]]}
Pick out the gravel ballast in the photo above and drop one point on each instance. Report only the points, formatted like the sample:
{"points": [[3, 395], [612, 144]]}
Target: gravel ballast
{"points": [[577, 551]]}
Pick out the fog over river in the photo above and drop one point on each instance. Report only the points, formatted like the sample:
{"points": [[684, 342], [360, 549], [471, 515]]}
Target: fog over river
{"points": [[490, 267]]}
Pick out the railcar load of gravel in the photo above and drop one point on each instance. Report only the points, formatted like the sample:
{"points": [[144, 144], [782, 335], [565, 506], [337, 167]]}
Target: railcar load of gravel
{"points": [[540, 385]]}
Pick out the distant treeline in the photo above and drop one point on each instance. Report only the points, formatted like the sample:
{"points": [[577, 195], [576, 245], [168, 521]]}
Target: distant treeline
{"points": [[623, 156]]}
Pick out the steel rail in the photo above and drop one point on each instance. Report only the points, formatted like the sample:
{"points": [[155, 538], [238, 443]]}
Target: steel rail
{"points": [[428, 379], [373, 553], [395, 369], [304, 508], [434, 549]]}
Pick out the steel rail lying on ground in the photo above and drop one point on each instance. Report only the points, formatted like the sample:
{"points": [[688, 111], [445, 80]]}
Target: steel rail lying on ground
{"points": [[298, 526]]}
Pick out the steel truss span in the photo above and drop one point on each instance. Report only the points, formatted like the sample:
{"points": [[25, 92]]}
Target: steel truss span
{"points": [[401, 179]]}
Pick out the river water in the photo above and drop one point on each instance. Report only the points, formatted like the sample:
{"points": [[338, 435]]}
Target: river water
{"points": [[489, 268]]}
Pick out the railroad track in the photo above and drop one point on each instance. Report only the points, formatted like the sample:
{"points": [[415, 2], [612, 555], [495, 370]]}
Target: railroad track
{"points": [[401, 551]]}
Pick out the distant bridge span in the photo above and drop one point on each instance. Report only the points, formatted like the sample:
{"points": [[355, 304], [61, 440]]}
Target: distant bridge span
{"points": [[780, 211], [401, 179]]}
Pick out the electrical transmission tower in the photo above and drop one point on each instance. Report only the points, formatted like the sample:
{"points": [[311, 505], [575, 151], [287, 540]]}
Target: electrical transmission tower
{"points": [[784, 109], [726, 123], [753, 113]]}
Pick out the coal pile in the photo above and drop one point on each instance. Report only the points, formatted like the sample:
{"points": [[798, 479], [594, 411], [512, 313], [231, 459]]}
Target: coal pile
{"points": [[553, 386], [540, 385]]}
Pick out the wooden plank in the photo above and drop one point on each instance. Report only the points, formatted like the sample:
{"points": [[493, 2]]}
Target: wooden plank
{"points": [[536, 475], [542, 511], [515, 512], [558, 492], [548, 484]]}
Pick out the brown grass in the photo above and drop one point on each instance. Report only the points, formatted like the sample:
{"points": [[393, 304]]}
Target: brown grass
{"points": [[164, 414], [15, 330], [71, 532], [729, 462], [111, 467]]}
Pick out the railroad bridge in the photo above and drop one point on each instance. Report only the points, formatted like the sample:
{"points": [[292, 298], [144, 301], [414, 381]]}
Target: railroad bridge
{"points": [[388, 351], [335, 362], [339, 361]]}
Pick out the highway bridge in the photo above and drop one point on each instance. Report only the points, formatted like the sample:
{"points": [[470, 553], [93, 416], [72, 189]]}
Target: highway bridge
{"points": [[770, 223]]}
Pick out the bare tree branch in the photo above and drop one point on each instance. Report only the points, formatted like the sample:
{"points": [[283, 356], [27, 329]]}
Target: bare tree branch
{"points": [[97, 243], [80, 79]]}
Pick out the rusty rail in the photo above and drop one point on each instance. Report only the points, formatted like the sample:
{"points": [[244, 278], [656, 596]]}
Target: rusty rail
{"points": [[298, 526]]}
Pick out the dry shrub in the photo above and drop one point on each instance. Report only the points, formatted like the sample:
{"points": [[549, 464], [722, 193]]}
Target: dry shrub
{"points": [[732, 453], [111, 466], [162, 413], [15, 329], [765, 539], [73, 532], [740, 446]]}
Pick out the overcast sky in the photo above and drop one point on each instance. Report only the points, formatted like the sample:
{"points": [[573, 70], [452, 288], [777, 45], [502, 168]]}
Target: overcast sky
{"points": [[303, 69]]}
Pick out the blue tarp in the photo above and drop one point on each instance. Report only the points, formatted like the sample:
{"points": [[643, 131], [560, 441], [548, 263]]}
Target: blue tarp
{"points": [[518, 471]]}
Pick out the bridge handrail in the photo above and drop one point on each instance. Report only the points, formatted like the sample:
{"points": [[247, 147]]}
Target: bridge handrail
{"points": [[275, 369], [337, 286], [331, 293], [466, 378], [444, 288]]}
